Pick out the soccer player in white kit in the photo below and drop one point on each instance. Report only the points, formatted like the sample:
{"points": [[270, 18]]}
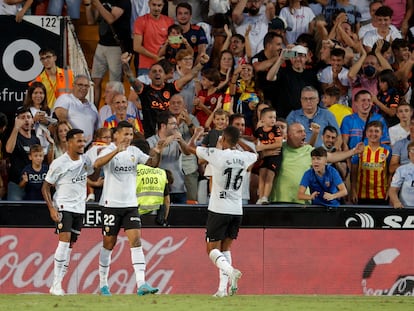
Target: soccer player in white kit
{"points": [[229, 167], [119, 203], [68, 174]]}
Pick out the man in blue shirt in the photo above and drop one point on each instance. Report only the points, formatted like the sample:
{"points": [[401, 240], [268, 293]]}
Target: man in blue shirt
{"points": [[311, 113]]}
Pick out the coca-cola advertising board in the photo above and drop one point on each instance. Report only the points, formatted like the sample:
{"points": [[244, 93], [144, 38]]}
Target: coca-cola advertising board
{"points": [[275, 261]]}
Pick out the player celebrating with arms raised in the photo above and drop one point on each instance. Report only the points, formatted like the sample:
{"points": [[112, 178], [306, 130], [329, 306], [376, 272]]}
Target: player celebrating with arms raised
{"points": [[119, 203], [229, 166]]}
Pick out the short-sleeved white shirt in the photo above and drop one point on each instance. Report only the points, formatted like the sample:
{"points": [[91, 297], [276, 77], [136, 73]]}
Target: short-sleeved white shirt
{"points": [[83, 116], [326, 76], [372, 36], [404, 179], [69, 178], [396, 133], [120, 177], [229, 168]]}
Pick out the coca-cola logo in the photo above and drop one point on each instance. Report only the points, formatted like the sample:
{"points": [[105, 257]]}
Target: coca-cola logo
{"points": [[403, 285], [33, 272]]}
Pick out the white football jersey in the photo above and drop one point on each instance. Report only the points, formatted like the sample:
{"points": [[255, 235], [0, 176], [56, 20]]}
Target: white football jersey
{"points": [[69, 178], [120, 177], [229, 168]]}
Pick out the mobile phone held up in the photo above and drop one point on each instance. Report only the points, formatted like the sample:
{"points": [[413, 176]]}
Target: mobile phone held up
{"points": [[175, 39], [289, 54]]}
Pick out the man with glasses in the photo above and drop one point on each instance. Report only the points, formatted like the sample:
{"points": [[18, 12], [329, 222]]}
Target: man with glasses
{"points": [[77, 110], [174, 146], [56, 80], [311, 113]]}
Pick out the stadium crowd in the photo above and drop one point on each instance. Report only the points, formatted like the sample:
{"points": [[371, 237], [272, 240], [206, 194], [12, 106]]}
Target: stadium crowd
{"points": [[290, 75]]}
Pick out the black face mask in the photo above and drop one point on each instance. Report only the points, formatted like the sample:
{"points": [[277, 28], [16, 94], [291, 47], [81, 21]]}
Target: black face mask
{"points": [[369, 71]]}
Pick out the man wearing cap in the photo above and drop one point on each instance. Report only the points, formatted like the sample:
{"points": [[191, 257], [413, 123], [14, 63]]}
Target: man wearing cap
{"points": [[279, 26], [258, 16], [291, 77], [18, 147]]}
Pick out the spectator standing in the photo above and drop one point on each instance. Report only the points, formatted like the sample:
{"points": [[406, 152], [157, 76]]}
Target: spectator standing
{"points": [[119, 203], [18, 146], [336, 75], [194, 34], [68, 175], [72, 7], [353, 126], [187, 122], [296, 161], [155, 97], [56, 80], [291, 79], [113, 17], [324, 182], [312, 113], [401, 190], [174, 147], [150, 33], [36, 101], [330, 100], [107, 110], [298, 17], [58, 145], [269, 138], [383, 31], [120, 104], [15, 7], [369, 171], [252, 13], [76, 109], [34, 174], [399, 150], [402, 129]]}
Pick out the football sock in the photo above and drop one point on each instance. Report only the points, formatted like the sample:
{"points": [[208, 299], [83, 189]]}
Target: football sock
{"points": [[224, 279], [220, 261], [139, 265], [104, 264], [66, 264], [59, 261]]}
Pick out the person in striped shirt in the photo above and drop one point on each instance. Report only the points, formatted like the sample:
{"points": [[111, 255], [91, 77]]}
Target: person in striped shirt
{"points": [[369, 170]]}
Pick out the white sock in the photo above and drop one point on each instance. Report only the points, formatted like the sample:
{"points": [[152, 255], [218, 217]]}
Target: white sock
{"points": [[66, 264], [220, 261], [104, 264], [139, 264], [59, 261], [224, 279]]}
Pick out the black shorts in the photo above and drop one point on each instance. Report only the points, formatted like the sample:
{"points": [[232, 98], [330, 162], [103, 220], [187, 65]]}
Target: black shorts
{"points": [[70, 222], [221, 226], [272, 163], [113, 219]]}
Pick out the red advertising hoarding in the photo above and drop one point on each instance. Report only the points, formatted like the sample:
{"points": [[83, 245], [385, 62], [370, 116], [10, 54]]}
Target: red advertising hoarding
{"points": [[273, 261]]}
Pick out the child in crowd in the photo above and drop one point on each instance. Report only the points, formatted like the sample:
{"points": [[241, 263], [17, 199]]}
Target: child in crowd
{"points": [[220, 121], [388, 97], [325, 183], [369, 170], [206, 100], [175, 42], [330, 100], [34, 174], [269, 137], [102, 139]]}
